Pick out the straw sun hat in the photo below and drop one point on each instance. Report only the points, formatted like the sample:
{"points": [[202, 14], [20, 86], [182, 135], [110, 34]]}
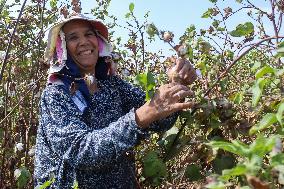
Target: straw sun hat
{"points": [[56, 41]]}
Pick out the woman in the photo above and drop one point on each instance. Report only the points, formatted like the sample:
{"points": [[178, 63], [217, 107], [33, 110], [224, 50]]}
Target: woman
{"points": [[89, 118]]}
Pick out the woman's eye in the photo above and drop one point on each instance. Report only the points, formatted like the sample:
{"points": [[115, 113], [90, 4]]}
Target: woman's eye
{"points": [[72, 38], [90, 34]]}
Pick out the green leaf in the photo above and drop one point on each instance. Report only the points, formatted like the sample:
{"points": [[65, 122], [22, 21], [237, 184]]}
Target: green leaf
{"points": [[220, 29], [235, 147], [267, 121], [23, 179], [47, 183], [238, 97], [236, 171], [262, 146], [131, 7], [264, 70], [190, 53], [75, 185], [173, 149], [280, 112], [208, 13], [280, 50], [223, 84], [191, 28], [215, 23], [154, 167], [151, 30], [216, 185], [127, 15], [213, 1], [147, 81], [254, 164], [239, 1], [53, 3], [245, 29], [193, 172], [224, 162], [278, 159], [257, 90], [256, 65]]}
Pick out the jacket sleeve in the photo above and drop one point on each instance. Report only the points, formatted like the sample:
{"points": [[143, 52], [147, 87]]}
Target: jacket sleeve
{"points": [[130, 94], [74, 142]]}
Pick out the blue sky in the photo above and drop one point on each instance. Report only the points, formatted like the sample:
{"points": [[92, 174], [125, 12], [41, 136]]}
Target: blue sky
{"points": [[174, 16]]}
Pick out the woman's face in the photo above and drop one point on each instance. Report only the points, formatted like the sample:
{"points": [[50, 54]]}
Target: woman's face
{"points": [[82, 44]]}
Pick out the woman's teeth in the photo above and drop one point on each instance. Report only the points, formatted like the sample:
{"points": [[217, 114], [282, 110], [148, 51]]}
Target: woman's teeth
{"points": [[86, 52]]}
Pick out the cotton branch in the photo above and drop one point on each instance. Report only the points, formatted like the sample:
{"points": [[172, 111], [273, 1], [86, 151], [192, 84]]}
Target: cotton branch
{"points": [[223, 74], [10, 41]]}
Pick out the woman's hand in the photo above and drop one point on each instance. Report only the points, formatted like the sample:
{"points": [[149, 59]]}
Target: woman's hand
{"points": [[182, 72], [166, 101]]}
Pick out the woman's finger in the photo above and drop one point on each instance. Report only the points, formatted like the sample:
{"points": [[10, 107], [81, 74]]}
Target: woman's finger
{"points": [[187, 68], [189, 78], [177, 88], [181, 106], [182, 94], [179, 65]]}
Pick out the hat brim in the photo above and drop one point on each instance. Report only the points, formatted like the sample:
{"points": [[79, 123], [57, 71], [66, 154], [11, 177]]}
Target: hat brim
{"points": [[55, 29]]}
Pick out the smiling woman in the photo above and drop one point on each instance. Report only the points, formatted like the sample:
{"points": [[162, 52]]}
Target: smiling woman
{"points": [[82, 43], [90, 119]]}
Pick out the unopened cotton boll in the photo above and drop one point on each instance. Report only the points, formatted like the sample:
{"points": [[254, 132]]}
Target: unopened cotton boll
{"points": [[19, 146], [167, 36]]}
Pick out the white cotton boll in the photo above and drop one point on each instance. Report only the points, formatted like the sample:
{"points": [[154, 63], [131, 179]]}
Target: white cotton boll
{"points": [[198, 73], [11, 31], [17, 173], [11, 93], [2, 55], [125, 72], [19, 146], [37, 95], [32, 151], [29, 55], [33, 85]]}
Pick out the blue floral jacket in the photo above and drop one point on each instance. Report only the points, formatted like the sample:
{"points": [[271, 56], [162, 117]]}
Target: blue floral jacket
{"points": [[91, 147]]}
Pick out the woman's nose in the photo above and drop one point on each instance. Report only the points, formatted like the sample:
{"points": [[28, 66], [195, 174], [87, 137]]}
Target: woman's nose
{"points": [[83, 41]]}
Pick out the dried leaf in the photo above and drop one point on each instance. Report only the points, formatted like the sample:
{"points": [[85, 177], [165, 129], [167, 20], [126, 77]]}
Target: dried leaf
{"points": [[256, 183]]}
